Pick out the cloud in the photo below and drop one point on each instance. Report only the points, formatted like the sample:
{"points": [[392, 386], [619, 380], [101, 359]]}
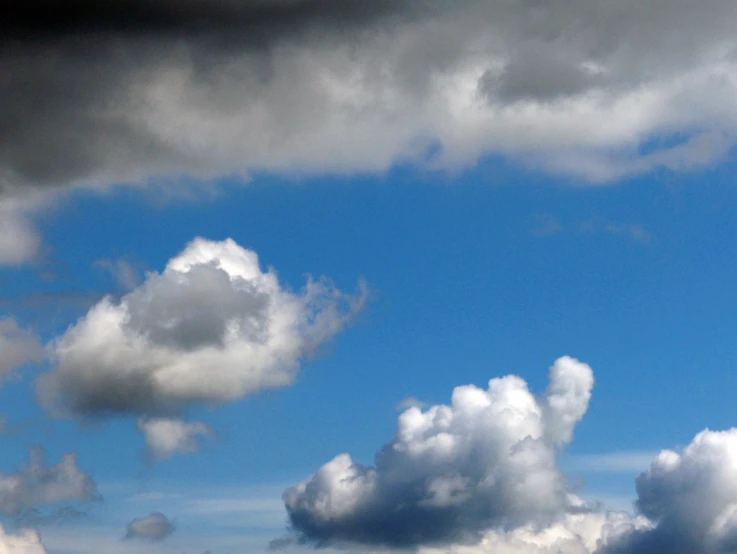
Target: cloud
{"points": [[581, 533], [690, 497], [126, 91], [26, 541], [451, 473], [37, 484], [212, 327], [154, 527], [166, 437], [17, 346]]}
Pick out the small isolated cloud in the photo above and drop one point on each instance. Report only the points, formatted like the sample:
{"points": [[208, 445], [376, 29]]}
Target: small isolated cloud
{"points": [[154, 527], [26, 541], [212, 327], [17, 346], [690, 497], [166, 437], [451, 473], [37, 484]]}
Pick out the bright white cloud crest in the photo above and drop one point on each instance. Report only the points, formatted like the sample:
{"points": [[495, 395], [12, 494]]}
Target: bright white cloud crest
{"points": [[26, 541], [212, 327], [452, 472]]}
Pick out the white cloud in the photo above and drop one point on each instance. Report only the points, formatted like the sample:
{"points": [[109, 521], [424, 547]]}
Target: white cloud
{"points": [[25, 541], [212, 327], [691, 497], [17, 346], [487, 461], [37, 484], [166, 437]]}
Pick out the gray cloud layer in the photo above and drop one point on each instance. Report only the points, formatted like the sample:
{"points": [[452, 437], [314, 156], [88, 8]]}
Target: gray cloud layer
{"points": [[452, 472], [101, 92]]}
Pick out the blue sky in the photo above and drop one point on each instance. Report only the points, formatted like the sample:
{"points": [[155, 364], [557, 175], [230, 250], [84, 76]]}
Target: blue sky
{"points": [[487, 250], [468, 280]]}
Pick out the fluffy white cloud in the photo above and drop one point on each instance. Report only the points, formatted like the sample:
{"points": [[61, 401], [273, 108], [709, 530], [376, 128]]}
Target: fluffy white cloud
{"points": [[578, 533], [17, 345], [212, 327], [154, 527], [166, 437], [37, 484], [167, 87], [451, 473], [690, 497], [24, 542]]}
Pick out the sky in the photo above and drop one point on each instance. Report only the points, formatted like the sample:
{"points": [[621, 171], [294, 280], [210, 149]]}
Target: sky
{"points": [[371, 277]]}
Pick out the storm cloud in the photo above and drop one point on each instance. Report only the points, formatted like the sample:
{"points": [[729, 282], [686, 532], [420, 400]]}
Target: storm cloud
{"points": [[97, 92]]}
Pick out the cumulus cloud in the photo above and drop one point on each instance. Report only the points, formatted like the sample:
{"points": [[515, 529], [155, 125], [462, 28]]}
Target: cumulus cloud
{"points": [[580, 533], [154, 527], [451, 473], [690, 497], [26, 541], [166, 437], [212, 327], [37, 484], [113, 92], [17, 346]]}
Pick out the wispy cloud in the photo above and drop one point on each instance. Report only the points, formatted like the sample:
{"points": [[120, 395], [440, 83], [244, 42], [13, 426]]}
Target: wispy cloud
{"points": [[548, 225], [611, 462]]}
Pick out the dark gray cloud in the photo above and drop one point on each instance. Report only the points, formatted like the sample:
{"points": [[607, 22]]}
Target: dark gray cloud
{"points": [[451, 473], [37, 484], [154, 527], [100, 92]]}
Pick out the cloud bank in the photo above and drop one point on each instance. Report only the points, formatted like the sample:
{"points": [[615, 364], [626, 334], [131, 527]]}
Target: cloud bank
{"points": [[212, 327], [486, 461], [125, 91]]}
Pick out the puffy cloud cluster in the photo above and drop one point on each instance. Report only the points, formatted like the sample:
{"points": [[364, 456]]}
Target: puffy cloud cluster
{"points": [[37, 484], [154, 527], [212, 327], [166, 437], [451, 473], [690, 497], [121, 91], [25, 542], [17, 345]]}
